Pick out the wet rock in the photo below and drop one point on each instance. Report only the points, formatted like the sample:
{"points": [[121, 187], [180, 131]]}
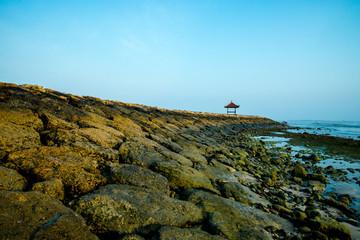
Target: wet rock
{"points": [[317, 177], [316, 196], [299, 172], [316, 185], [311, 212], [182, 176], [338, 204], [76, 170], [53, 188], [140, 177], [319, 235], [346, 199], [174, 233], [235, 220], [128, 209], [312, 158], [331, 228], [268, 182], [10, 179], [139, 154], [305, 229], [33, 215]]}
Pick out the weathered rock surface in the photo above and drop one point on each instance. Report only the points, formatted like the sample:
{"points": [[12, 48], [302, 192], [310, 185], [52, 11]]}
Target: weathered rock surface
{"points": [[10, 179], [139, 177], [32, 215], [214, 173], [139, 154], [53, 188], [128, 209], [182, 176], [78, 172], [16, 137], [330, 227], [231, 186], [235, 220], [174, 233]]}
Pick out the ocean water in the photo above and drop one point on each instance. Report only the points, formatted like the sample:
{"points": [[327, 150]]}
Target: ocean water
{"points": [[339, 162], [345, 129]]}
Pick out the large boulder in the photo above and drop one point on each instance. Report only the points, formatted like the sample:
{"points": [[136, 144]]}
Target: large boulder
{"points": [[140, 177], [235, 220], [73, 138], [129, 209], [169, 155], [194, 157], [18, 130], [53, 188], [76, 170], [139, 154], [166, 143], [300, 172], [236, 191], [215, 173], [101, 137], [32, 215], [16, 137], [330, 227], [174, 233], [182, 176], [10, 179]]}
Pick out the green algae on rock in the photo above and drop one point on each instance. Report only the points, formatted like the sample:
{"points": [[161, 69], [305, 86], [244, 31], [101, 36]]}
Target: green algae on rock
{"points": [[33, 215], [128, 209]]}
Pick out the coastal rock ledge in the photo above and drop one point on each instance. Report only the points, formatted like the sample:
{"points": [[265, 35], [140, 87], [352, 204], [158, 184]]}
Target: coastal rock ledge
{"points": [[78, 167]]}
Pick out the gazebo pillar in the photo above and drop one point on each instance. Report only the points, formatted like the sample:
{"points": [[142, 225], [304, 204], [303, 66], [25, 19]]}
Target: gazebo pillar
{"points": [[233, 106]]}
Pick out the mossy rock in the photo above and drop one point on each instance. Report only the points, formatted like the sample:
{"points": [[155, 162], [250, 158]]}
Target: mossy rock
{"points": [[331, 228], [300, 172], [182, 176]]}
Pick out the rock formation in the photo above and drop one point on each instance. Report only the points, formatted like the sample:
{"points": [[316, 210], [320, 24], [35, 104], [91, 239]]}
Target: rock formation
{"points": [[74, 167]]}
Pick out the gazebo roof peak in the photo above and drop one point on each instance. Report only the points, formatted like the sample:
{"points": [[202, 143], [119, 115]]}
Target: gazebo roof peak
{"points": [[232, 105]]}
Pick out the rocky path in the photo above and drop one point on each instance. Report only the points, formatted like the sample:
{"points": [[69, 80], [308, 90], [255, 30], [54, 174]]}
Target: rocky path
{"points": [[84, 168]]}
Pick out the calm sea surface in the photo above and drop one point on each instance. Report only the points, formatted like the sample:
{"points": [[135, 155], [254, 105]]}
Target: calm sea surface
{"points": [[345, 129]]}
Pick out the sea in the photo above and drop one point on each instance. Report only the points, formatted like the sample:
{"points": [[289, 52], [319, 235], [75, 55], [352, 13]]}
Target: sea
{"points": [[345, 129]]}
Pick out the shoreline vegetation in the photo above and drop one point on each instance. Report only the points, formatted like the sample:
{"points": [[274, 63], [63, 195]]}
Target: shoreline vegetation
{"points": [[74, 167]]}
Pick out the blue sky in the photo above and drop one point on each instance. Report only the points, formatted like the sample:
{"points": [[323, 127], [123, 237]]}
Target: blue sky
{"points": [[279, 59]]}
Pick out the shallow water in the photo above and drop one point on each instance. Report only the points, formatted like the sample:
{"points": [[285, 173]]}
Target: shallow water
{"points": [[337, 161]]}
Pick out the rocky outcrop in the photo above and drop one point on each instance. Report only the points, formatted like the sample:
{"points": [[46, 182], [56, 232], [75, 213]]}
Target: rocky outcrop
{"points": [[53, 188], [139, 177], [74, 167], [235, 220], [174, 233], [77, 171], [10, 179], [128, 209], [32, 215]]}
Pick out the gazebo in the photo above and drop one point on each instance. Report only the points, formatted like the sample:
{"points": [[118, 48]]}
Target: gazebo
{"points": [[232, 106]]}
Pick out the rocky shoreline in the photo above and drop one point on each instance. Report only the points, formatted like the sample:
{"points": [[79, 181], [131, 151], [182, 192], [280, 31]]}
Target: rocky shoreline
{"points": [[77, 167]]}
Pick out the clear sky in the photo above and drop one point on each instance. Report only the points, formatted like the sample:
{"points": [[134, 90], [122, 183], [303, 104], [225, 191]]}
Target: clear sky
{"points": [[295, 59]]}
